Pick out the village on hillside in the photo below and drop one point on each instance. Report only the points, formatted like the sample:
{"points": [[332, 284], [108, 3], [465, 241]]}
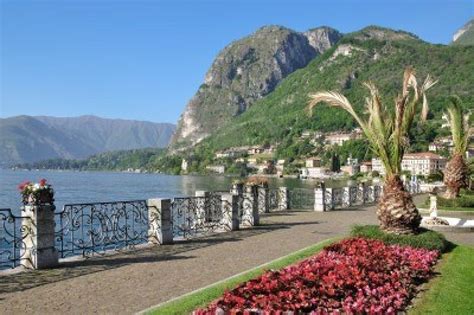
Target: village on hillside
{"points": [[260, 159]]}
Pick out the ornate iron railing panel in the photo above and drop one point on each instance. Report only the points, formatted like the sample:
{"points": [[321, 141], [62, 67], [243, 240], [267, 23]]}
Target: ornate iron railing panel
{"points": [[13, 232], [274, 197], [339, 197], [196, 216], [301, 198], [95, 228]]}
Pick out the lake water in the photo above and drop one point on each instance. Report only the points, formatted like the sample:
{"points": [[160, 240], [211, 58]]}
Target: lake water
{"points": [[81, 187]]}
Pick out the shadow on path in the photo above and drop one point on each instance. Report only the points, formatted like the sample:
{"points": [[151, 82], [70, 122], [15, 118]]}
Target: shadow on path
{"points": [[150, 254]]}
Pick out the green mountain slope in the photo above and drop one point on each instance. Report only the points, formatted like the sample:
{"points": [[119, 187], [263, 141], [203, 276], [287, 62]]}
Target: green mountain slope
{"points": [[373, 53]]}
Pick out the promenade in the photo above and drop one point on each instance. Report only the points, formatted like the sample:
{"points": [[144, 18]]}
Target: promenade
{"points": [[128, 283]]}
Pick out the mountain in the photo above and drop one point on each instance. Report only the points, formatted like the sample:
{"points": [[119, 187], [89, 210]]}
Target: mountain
{"points": [[244, 72], [373, 53], [30, 139], [465, 35]]}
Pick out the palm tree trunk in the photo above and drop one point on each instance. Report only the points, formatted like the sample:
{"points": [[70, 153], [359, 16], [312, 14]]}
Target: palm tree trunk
{"points": [[396, 211], [455, 176]]}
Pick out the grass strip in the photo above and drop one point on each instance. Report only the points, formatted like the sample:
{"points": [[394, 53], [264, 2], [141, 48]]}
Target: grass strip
{"points": [[202, 297], [451, 291]]}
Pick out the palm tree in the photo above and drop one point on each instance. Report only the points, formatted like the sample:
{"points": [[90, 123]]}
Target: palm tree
{"points": [[455, 174], [387, 133]]}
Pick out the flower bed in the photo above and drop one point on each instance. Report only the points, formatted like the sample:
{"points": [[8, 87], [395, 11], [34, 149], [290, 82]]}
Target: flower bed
{"points": [[353, 276]]}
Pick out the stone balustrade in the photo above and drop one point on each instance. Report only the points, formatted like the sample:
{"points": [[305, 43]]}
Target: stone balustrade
{"points": [[166, 219]]}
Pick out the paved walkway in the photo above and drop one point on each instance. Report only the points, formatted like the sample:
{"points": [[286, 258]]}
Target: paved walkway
{"points": [[127, 283]]}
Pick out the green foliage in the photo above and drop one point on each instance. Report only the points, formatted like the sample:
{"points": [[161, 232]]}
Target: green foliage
{"points": [[459, 125], [424, 239], [465, 200], [110, 161]]}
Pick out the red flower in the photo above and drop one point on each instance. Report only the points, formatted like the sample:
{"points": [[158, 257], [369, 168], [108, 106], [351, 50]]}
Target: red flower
{"points": [[42, 182], [22, 185], [352, 276]]}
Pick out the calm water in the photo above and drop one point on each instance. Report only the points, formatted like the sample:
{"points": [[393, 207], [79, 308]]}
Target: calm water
{"points": [[80, 187]]}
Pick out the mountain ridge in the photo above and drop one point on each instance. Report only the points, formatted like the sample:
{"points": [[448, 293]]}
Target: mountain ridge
{"points": [[33, 138], [246, 70]]}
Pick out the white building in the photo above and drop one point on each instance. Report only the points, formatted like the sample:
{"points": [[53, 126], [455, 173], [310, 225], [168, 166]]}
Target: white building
{"points": [[377, 166], [423, 163], [313, 162], [184, 165], [313, 172], [220, 169], [338, 138]]}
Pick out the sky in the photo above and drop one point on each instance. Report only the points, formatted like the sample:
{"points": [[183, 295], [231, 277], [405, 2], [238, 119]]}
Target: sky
{"points": [[144, 60]]}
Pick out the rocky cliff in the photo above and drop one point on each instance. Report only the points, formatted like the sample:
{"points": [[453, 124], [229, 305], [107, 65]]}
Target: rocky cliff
{"points": [[465, 35], [245, 71]]}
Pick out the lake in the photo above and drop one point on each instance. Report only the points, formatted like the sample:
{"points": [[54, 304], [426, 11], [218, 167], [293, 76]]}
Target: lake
{"points": [[81, 187]]}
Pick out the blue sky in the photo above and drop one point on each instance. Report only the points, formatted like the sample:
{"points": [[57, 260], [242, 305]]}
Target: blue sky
{"points": [[145, 59]]}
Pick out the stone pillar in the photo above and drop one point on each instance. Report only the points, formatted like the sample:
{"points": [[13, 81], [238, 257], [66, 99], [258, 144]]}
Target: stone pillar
{"points": [[283, 203], [230, 212], [371, 194], [263, 193], [362, 193], [347, 197], [319, 198], [160, 226], [250, 215], [202, 207], [38, 225], [433, 205]]}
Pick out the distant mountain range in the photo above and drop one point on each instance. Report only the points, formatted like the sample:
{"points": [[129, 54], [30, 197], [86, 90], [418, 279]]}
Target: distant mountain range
{"points": [[35, 138]]}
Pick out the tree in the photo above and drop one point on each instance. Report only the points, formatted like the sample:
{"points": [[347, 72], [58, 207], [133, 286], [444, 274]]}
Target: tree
{"points": [[456, 171], [387, 133]]}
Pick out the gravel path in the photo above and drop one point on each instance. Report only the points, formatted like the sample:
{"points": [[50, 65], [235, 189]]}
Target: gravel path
{"points": [[127, 283]]}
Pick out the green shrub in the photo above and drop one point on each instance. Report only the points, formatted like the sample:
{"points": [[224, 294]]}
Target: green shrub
{"points": [[464, 201], [424, 239]]}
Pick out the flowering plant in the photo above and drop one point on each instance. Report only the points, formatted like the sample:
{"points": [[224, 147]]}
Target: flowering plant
{"points": [[354, 276], [36, 193]]}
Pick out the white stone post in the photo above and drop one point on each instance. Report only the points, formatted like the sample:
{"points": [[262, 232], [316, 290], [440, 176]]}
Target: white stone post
{"points": [[230, 212], [38, 225], [319, 198], [250, 215], [363, 193], [202, 207], [433, 205], [371, 194], [346, 197], [262, 201], [160, 226], [283, 203]]}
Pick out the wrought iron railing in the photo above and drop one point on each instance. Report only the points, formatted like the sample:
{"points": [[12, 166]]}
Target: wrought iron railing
{"points": [[94, 228], [13, 232], [196, 216], [274, 196], [301, 198]]}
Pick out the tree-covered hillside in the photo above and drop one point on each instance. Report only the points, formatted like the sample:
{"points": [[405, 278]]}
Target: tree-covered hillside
{"points": [[375, 54]]}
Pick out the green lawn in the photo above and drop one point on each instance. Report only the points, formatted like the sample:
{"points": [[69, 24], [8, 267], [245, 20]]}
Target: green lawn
{"points": [[202, 297], [452, 292]]}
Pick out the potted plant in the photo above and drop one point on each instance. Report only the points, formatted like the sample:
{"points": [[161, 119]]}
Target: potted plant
{"points": [[36, 194]]}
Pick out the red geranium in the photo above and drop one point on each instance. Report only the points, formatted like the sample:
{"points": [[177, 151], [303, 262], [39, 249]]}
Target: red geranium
{"points": [[23, 184], [353, 276], [42, 182]]}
